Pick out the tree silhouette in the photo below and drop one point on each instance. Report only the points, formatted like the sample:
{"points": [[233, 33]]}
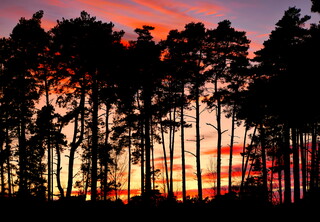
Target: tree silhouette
{"points": [[27, 41], [176, 58], [7, 121], [146, 67], [315, 6], [226, 56], [85, 46], [71, 50], [143, 90], [194, 35], [277, 61]]}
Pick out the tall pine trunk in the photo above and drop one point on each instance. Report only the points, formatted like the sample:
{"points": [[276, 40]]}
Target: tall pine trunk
{"points": [[147, 145], [2, 169], [76, 142], [280, 185], [218, 128], [171, 147], [287, 168], [231, 150], [23, 187], [198, 153], [8, 152], [313, 159], [296, 167], [164, 156], [142, 168], [264, 164], [58, 170], [94, 148], [129, 162], [245, 163], [303, 164], [49, 150], [183, 161], [147, 141], [106, 153]]}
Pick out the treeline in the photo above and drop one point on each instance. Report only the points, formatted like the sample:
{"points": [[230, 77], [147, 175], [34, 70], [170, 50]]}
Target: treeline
{"points": [[82, 66]]}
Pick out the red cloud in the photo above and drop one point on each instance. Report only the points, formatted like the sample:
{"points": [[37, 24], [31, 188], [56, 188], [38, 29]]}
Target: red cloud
{"points": [[57, 3], [207, 8], [225, 150], [165, 15], [176, 167]]}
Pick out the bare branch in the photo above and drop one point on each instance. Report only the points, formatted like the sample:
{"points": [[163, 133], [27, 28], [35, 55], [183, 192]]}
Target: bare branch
{"points": [[223, 132], [190, 153], [209, 124], [190, 116]]}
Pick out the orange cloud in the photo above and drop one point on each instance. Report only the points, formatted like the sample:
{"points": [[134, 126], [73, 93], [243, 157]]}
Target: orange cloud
{"points": [[175, 167], [254, 46], [48, 24], [115, 8], [207, 9], [57, 3], [165, 15], [165, 6], [225, 150], [160, 159]]}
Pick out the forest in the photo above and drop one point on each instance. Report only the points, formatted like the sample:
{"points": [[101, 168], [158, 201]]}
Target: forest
{"points": [[118, 96]]}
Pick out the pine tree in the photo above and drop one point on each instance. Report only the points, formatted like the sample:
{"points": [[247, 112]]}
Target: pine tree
{"points": [[226, 55], [27, 42], [146, 60], [278, 61], [194, 36]]}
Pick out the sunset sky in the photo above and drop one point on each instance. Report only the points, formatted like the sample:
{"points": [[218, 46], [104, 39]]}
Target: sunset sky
{"points": [[256, 17]]}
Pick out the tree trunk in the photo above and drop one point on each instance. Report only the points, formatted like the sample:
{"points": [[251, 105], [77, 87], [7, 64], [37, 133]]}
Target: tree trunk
{"points": [[142, 155], [243, 157], [75, 143], [314, 160], [23, 187], [50, 151], [147, 106], [106, 153], [183, 162], [2, 168], [231, 151], [153, 178], [303, 165], [317, 161], [280, 185], [296, 167], [287, 168], [171, 147], [8, 152], [264, 164], [198, 146], [142, 174], [59, 171], [129, 163], [218, 119], [244, 170], [165, 156], [94, 148]]}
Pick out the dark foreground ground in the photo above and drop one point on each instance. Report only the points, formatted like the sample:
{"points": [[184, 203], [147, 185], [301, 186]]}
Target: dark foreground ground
{"points": [[76, 210]]}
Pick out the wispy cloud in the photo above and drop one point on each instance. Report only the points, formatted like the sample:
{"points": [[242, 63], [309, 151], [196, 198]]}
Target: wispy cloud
{"points": [[225, 150], [163, 15]]}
